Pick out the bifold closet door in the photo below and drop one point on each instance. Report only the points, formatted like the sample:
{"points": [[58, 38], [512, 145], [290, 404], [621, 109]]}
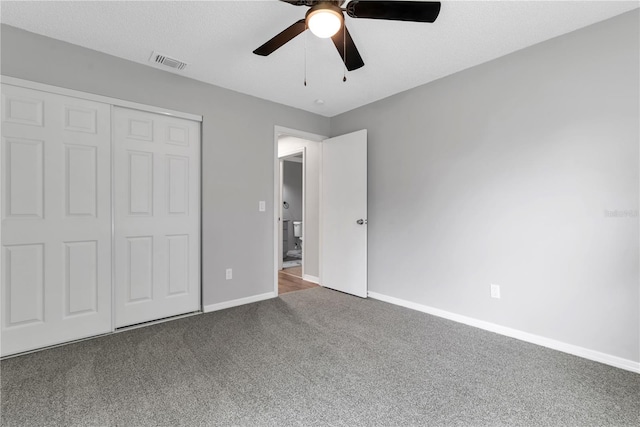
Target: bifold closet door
{"points": [[157, 216], [56, 219]]}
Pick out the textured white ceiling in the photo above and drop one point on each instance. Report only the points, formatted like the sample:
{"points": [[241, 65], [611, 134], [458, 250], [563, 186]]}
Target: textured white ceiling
{"points": [[216, 39]]}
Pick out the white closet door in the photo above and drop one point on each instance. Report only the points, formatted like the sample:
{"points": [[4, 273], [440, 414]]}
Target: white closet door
{"points": [[157, 216], [56, 219]]}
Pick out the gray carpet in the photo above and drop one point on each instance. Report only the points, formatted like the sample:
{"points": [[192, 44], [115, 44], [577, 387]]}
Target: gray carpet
{"points": [[314, 357]]}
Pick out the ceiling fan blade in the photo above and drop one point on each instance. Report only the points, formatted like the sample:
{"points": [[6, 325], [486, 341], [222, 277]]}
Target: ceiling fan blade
{"points": [[281, 39], [352, 60], [296, 2], [416, 11]]}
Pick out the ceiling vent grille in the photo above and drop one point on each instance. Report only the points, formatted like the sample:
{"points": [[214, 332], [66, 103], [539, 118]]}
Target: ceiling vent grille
{"points": [[159, 58]]}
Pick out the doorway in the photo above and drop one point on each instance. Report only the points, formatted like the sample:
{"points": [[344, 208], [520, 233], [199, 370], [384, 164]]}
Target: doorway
{"points": [[297, 211], [334, 223], [292, 207]]}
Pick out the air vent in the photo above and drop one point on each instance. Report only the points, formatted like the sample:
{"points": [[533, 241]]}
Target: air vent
{"points": [[159, 58]]}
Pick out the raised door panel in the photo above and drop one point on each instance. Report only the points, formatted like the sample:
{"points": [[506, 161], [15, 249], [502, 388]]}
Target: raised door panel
{"points": [[81, 277], [81, 180], [140, 180], [177, 135], [78, 119], [24, 285], [178, 264], [177, 171], [23, 178], [140, 269], [141, 129], [22, 109]]}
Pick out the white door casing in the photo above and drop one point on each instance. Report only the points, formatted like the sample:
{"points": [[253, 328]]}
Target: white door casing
{"points": [[280, 216], [157, 216], [56, 219], [344, 213]]}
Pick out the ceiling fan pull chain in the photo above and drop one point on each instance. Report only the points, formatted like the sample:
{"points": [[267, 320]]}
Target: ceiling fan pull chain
{"points": [[305, 57], [344, 51]]}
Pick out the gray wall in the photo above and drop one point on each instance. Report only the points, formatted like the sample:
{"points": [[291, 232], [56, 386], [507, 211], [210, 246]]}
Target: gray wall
{"points": [[502, 174], [292, 194], [237, 148]]}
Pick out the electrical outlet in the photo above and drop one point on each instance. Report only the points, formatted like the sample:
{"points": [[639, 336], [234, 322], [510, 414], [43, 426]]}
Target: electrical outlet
{"points": [[229, 274], [495, 291], [262, 206]]}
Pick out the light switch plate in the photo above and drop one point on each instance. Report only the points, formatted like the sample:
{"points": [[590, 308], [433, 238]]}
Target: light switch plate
{"points": [[262, 206], [495, 291]]}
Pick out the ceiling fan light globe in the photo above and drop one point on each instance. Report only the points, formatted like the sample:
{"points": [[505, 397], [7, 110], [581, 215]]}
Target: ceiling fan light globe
{"points": [[324, 23]]}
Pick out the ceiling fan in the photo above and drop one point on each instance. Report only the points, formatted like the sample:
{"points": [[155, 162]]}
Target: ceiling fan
{"points": [[326, 18]]}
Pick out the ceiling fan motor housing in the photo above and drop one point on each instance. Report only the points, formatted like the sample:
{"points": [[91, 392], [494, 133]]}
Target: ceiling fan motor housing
{"points": [[322, 8]]}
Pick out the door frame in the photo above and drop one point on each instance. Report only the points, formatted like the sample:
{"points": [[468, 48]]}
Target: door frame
{"points": [[277, 205]]}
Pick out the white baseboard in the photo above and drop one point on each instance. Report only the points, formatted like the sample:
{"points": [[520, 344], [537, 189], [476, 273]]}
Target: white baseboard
{"points": [[310, 278], [237, 302], [586, 353]]}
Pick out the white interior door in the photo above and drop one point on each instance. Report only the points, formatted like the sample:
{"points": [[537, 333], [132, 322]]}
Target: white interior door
{"points": [[157, 216], [56, 219], [344, 213]]}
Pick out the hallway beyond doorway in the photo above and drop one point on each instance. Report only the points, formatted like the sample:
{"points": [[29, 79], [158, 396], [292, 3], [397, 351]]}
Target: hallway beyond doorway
{"points": [[289, 282]]}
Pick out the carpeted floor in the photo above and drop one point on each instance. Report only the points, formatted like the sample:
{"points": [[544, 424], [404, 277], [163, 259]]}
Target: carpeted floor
{"points": [[315, 357]]}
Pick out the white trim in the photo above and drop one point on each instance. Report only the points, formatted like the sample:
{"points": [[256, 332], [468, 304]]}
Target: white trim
{"points": [[294, 159], [304, 211], [320, 209], [13, 81], [277, 209], [310, 278], [240, 301], [291, 153], [155, 322], [575, 350], [200, 225], [280, 220], [283, 131], [112, 212]]}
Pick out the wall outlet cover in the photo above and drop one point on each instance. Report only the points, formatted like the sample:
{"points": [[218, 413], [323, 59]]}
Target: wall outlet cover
{"points": [[495, 291]]}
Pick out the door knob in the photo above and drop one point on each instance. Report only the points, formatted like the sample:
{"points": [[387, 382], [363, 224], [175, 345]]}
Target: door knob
{"points": [[361, 221]]}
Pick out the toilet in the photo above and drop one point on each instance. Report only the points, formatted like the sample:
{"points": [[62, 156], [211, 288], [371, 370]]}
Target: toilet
{"points": [[297, 232], [297, 229]]}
